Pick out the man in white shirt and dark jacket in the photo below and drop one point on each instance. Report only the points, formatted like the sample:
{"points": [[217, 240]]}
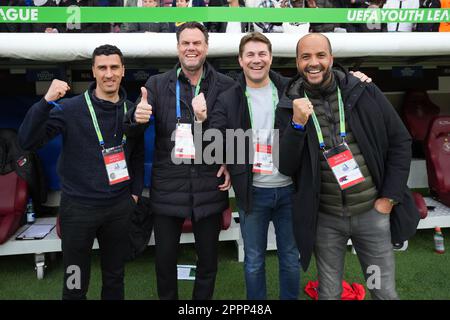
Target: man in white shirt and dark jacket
{"points": [[377, 208], [261, 195], [100, 168]]}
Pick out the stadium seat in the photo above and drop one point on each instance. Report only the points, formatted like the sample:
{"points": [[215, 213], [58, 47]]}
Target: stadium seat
{"points": [[420, 204], [438, 158], [49, 154], [418, 112], [149, 137], [13, 200], [14, 190], [225, 223]]}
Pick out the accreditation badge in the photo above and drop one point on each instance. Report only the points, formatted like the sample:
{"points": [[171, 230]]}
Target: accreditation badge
{"points": [[116, 165], [184, 141], [344, 167], [263, 161]]}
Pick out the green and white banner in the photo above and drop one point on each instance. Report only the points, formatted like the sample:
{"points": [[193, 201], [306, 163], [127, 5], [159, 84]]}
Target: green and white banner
{"points": [[76, 14]]}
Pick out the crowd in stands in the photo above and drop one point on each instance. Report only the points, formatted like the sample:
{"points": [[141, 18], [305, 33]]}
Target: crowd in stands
{"points": [[232, 27]]}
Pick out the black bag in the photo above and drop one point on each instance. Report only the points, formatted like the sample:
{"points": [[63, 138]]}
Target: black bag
{"points": [[26, 164], [141, 227]]}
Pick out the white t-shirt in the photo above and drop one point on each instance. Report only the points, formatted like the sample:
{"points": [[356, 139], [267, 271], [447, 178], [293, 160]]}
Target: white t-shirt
{"points": [[262, 111]]}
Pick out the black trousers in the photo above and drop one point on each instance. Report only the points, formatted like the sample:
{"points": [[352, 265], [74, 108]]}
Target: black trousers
{"points": [[80, 225], [167, 237]]}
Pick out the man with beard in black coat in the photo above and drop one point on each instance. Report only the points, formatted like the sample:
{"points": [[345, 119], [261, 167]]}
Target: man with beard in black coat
{"points": [[349, 155]]}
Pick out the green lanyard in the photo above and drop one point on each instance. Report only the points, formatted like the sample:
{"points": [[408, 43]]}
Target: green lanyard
{"points": [[95, 122], [274, 101], [341, 121], [197, 87]]}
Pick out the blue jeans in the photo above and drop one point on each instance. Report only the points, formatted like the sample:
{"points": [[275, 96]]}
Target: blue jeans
{"points": [[270, 204]]}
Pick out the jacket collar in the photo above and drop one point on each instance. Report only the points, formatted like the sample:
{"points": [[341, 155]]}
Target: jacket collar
{"points": [[207, 72], [209, 83]]}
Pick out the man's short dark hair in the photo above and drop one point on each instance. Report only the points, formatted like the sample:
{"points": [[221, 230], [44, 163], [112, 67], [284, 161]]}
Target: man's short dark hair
{"points": [[193, 25], [254, 36], [107, 50]]}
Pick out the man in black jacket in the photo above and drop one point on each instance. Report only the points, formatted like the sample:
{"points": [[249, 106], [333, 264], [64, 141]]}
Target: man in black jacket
{"points": [[183, 186], [349, 155], [101, 171]]}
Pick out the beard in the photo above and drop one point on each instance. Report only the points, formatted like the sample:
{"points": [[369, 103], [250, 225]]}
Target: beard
{"points": [[326, 78]]}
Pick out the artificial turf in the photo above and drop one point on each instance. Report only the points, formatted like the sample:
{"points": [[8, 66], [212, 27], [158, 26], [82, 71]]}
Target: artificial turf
{"points": [[421, 274]]}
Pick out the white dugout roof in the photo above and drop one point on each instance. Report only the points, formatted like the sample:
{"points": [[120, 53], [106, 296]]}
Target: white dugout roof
{"points": [[73, 47]]}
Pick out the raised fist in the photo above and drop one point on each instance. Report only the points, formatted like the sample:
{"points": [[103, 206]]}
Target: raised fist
{"points": [[303, 108], [57, 90]]}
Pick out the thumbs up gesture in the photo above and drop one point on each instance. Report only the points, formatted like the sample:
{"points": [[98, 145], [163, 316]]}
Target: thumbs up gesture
{"points": [[199, 106], [143, 109], [57, 90]]}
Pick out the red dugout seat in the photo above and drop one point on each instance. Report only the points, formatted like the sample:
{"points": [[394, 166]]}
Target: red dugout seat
{"points": [[225, 223], [438, 158], [420, 204], [418, 112], [13, 200]]}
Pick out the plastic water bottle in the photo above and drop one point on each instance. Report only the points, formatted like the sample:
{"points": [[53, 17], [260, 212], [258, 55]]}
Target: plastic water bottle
{"points": [[438, 240], [30, 212]]}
